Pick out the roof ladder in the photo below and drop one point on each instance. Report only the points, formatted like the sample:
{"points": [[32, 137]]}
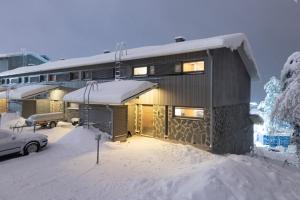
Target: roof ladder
{"points": [[90, 86], [121, 50]]}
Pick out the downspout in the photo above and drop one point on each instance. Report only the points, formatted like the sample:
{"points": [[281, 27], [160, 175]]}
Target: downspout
{"points": [[210, 98], [111, 120]]}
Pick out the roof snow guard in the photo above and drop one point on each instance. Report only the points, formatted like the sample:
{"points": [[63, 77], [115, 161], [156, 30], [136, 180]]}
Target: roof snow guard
{"points": [[27, 92], [112, 93], [233, 41]]}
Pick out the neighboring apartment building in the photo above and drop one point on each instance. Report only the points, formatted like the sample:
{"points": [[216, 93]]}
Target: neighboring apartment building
{"points": [[195, 92], [14, 60], [19, 59]]}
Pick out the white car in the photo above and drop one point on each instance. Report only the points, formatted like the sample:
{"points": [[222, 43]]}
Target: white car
{"points": [[21, 143]]}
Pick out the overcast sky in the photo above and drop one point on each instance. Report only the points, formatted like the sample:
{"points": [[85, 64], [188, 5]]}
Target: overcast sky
{"points": [[74, 28]]}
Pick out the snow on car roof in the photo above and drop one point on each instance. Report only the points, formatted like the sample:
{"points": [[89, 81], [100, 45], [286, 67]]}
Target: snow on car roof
{"points": [[113, 92], [232, 41]]}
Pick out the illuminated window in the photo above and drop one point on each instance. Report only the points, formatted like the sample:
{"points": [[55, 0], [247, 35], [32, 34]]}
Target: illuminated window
{"points": [[186, 112], [140, 71], [197, 66]]}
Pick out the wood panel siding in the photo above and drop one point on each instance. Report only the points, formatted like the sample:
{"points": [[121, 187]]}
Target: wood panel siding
{"points": [[185, 90], [42, 106], [99, 115], [231, 81], [120, 123], [131, 118], [3, 106], [106, 73]]}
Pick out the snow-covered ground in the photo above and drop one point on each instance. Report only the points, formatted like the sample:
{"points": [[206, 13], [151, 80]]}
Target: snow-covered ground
{"points": [[141, 168]]}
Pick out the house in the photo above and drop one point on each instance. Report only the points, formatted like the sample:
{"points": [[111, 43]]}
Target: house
{"points": [[195, 92], [34, 99]]}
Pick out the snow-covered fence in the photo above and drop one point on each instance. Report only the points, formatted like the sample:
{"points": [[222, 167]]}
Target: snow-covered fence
{"points": [[276, 140]]}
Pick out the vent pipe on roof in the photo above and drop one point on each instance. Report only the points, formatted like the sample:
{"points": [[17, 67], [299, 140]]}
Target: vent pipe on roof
{"points": [[179, 39], [106, 51]]}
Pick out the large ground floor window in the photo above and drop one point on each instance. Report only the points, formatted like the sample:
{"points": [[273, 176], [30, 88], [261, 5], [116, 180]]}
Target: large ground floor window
{"points": [[188, 112]]}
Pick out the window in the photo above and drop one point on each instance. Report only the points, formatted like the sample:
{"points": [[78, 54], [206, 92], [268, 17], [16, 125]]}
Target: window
{"points": [[74, 75], [140, 71], [2, 81], [178, 67], [197, 66], [26, 79], [42, 78], [72, 106], [20, 80], [14, 80], [7, 81], [62, 77], [152, 70], [34, 79], [51, 77], [186, 112], [87, 75]]}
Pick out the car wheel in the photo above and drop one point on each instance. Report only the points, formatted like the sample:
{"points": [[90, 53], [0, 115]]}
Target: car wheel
{"points": [[31, 148], [52, 124]]}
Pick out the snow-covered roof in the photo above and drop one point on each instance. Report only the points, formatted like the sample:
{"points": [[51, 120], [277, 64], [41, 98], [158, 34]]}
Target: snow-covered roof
{"points": [[232, 41], [26, 91], [36, 55], [113, 93]]}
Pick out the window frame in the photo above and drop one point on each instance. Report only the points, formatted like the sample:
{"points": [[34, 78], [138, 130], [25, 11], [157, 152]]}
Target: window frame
{"points": [[35, 76], [141, 75], [191, 61], [71, 74], [26, 79], [43, 78], [187, 117], [83, 75]]}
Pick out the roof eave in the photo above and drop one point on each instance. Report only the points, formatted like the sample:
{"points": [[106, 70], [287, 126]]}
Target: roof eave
{"points": [[249, 64]]}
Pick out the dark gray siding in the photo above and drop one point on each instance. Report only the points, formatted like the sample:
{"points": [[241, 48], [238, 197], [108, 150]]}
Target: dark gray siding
{"points": [[231, 81], [184, 90], [25, 107], [99, 115]]}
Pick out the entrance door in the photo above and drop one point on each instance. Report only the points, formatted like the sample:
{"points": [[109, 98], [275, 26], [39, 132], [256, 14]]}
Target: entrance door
{"points": [[147, 116]]}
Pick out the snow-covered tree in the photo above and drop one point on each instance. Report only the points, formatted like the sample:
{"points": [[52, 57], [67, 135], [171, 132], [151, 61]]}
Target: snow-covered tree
{"points": [[288, 102], [287, 105], [272, 88]]}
